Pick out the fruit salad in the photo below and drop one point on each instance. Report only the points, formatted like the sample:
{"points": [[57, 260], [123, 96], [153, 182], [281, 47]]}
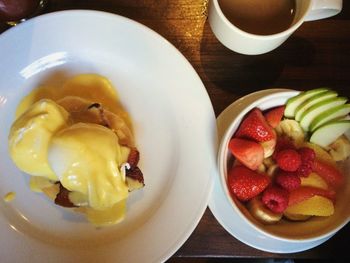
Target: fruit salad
{"points": [[287, 159]]}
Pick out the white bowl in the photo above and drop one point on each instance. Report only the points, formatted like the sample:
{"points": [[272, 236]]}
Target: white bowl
{"points": [[312, 230]]}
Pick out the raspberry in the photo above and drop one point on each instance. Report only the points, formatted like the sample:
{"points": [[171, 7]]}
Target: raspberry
{"points": [[288, 181], [307, 156], [283, 143], [276, 199], [288, 160], [305, 169]]}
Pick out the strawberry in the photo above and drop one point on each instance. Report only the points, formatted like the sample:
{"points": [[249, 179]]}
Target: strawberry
{"points": [[329, 173], [255, 127], [245, 183], [274, 116], [305, 192], [249, 153]]}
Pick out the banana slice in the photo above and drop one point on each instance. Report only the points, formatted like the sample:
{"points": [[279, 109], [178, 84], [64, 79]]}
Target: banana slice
{"points": [[269, 146], [262, 213], [270, 166], [340, 149], [268, 162], [261, 168], [292, 129], [296, 217], [271, 171]]}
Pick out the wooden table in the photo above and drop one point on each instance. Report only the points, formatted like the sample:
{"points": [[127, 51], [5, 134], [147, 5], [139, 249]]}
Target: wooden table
{"points": [[318, 54]]}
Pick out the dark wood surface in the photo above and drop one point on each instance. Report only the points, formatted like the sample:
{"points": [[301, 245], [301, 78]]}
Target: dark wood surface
{"points": [[318, 54]]}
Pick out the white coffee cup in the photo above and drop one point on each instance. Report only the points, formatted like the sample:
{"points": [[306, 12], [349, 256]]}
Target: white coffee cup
{"points": [[250, 44]]}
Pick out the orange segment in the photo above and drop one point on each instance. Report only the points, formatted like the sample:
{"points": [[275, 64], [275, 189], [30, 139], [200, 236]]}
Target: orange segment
{"points": [[314, 180], [314, 206], [321, 154]]}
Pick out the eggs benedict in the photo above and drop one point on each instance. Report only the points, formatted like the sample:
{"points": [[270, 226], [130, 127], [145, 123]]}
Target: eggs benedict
{"points": [[79, 153]]}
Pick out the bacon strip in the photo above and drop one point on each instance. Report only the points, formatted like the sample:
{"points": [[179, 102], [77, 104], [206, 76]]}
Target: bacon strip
{"points": [[135, 174], [134, 157], [62, 198]]}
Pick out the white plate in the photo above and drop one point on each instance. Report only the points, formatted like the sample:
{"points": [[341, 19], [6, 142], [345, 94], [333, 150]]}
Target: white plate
{"points": [[175, 130], [223, 210]]}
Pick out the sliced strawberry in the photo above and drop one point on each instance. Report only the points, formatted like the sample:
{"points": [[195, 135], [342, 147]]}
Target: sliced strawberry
{"points": [[245, 183], [255, 127], [248, 152], [305, 192], [274, 116], [329, 173]]}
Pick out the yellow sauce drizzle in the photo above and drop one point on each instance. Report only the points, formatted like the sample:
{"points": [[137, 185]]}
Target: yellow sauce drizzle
{"points": [[10, 196]]}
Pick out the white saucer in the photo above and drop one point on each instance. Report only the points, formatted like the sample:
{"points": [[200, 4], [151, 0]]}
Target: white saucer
{"points": [[221, 207]]}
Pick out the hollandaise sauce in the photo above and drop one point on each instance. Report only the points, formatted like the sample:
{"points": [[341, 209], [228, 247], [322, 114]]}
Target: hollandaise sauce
{"points": [[58, 139], [92, 87], [10, 196]]}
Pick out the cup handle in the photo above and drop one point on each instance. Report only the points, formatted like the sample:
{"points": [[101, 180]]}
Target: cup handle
{"points": [[323, 8]]}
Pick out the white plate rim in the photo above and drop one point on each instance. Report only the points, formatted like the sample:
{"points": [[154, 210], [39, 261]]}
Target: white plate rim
{"points": [[207, 184]]}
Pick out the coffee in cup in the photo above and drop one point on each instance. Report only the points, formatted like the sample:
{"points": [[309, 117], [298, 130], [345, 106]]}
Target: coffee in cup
{"points": [[258, 26], [13, 12], [258, 17]]}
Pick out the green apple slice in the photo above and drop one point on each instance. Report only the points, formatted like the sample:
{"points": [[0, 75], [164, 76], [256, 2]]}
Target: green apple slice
{"points": [[312, 101], [294, 102], [329, 132], [347, 134], [313, 112], [329, 115]]}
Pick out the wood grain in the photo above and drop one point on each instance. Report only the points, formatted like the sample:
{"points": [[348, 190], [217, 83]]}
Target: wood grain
{"points": [[318, 54]]}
